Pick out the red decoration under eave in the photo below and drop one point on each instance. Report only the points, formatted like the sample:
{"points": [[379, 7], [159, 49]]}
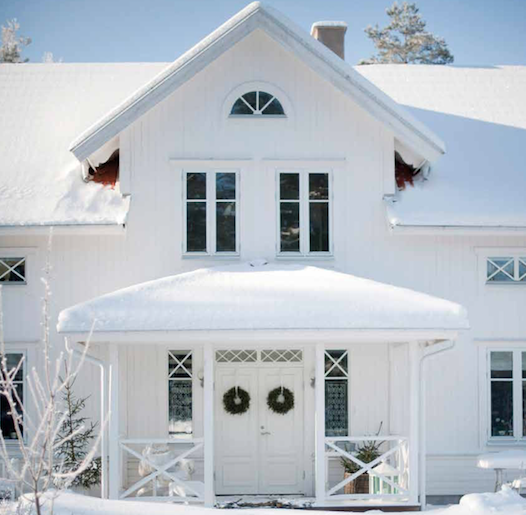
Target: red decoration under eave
{"points": [[107, 173], [404, 173]]}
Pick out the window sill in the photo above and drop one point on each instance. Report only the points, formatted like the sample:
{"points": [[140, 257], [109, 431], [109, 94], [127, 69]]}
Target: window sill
{"points": [[506, 442], [305, 257], [211, 257]]}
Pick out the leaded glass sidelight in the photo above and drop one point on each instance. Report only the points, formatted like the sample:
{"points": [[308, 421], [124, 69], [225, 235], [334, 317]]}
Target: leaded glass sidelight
{"points": [[180, 378], [336, 393]]}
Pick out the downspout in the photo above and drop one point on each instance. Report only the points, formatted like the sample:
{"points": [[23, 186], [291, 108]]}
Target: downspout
{"points": [[103, 444], [428, 352]]}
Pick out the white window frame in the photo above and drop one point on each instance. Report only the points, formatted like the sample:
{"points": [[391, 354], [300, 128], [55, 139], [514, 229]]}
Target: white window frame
{"points": [[191, 377], [485, 253], [518, 436], [28, 254], [304, 203], [211, 201]]}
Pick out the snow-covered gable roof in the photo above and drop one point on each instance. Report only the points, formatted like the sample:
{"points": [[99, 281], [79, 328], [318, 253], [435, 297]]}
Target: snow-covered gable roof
{"points": [[258, 296], [481, 114], [259, 16], [43, 106]]}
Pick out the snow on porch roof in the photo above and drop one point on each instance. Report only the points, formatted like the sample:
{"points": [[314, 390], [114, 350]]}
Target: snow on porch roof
{"points": [[262, 296]]}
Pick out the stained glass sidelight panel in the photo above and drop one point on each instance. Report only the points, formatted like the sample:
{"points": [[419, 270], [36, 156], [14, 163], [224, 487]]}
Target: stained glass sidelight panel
{"points": [[180, 373], [336, 408]]}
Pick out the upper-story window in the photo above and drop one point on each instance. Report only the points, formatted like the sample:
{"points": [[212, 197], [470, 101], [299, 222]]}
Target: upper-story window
{"points": [[506, 269], [12, 270], [304, 213], [507, 393], [211, 212], [257, 103]]}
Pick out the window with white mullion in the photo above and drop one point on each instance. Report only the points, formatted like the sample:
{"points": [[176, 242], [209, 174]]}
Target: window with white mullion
{"points": [[507, 385], [211, 212], [506, 270]]}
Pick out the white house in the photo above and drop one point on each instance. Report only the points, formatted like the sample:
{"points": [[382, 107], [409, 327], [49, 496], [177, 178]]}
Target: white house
{"points": [[260, 217]]}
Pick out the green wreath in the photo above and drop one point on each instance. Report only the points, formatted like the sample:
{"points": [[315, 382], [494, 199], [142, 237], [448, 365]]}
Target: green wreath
{"points": [[236, 401], [280, 400]]}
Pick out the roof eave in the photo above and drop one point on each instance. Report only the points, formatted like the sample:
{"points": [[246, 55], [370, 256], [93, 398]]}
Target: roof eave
{"points": [[460, 230], [63, 229], [412, 132]]}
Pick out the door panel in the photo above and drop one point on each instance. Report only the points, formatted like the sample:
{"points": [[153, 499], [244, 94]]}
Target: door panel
{"points": [[281, 451], [237, 436]]}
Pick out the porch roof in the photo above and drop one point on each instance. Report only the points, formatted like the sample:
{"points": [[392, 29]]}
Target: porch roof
{"points": [[257, 296]]}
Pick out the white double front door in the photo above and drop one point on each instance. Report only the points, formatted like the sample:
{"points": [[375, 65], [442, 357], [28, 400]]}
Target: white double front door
{"points": [[260, 451]]}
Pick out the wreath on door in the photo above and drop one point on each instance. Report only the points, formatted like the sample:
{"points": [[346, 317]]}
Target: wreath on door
{"points": [[280, 400], [236, 401]]}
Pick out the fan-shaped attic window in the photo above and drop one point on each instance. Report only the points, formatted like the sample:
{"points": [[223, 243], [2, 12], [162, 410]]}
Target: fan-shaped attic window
{"points": [[257, 103]]}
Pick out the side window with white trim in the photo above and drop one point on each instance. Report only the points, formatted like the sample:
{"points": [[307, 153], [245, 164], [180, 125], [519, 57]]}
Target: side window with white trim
{"points": [[506, 270], [12, 270], [7, 425]]}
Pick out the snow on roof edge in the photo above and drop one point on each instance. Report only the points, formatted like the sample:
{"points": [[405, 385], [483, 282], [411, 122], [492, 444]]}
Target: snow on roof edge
{"points": [[345, 69]]}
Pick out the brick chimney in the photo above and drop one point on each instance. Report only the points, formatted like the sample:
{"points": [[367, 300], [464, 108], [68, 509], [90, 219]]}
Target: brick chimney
{"points": [[331, 34]]}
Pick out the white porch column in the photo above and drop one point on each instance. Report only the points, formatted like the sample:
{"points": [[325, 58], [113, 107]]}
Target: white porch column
{"points": [[208, 421], [114, 451], [414, 420], [321, 473]]}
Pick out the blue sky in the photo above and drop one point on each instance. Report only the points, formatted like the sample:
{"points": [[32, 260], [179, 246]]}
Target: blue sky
{"points": [[478, 32]]}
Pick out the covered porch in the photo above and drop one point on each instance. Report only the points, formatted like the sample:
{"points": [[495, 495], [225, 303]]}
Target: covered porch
{"points": [[349, 350]]}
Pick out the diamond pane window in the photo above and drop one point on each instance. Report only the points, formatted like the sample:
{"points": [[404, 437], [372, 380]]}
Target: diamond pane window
{"points": [[7, 425], [13, 270], [180, 377], [257, 103], [236, 356], [336, 393]]}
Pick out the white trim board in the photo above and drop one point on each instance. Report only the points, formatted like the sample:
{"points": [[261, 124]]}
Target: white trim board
{"points": [[408, 129]]}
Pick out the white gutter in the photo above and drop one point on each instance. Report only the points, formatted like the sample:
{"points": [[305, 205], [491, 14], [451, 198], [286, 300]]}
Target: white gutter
{"points": [[461, 230], [432, 350], [103, 444]]}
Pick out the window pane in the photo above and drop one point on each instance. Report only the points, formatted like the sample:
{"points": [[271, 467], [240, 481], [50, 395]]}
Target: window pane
{"points": [[196, 227], [336, 370], [289, 186], [251, 99], [501, 408], [264, 99], [180, 364], [524, 408], [6, 420], [522, 269], [274, 108], [290, 226], [226, 226], [226, 186], [196, 186], [506, 272], [319, 186], [336, 415], [502, 365], [6, 270], [524, 368], [12, 362], [180, 407], [240, 107], [319, 227]]}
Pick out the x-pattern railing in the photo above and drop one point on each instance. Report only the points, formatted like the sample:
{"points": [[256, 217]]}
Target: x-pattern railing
{"points": [[161, 470], [397, 450]]}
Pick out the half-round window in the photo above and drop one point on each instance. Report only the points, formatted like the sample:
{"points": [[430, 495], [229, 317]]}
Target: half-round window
{"points": [[257, 103]]}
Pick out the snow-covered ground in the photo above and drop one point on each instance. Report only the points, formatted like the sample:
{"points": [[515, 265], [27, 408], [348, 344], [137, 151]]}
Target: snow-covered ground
{"points": [[505, 502]]}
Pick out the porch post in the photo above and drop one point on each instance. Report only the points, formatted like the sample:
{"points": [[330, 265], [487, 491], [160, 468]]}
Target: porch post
{"points": [[319, 393], [414, 420], [114, 450], [208, 421]]}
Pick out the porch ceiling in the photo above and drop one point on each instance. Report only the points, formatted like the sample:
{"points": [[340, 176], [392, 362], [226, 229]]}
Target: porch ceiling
{"points": [[255, 296]]}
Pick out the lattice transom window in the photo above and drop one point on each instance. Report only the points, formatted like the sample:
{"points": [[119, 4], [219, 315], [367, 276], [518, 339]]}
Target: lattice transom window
{"points": [[506, 270], [281, 356], [257, 103], [236, 356], [180, 376], [13, 270]]}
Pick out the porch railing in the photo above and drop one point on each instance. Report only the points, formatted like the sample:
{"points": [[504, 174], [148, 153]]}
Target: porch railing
{"points": [[385, 478], [162, 479]]}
